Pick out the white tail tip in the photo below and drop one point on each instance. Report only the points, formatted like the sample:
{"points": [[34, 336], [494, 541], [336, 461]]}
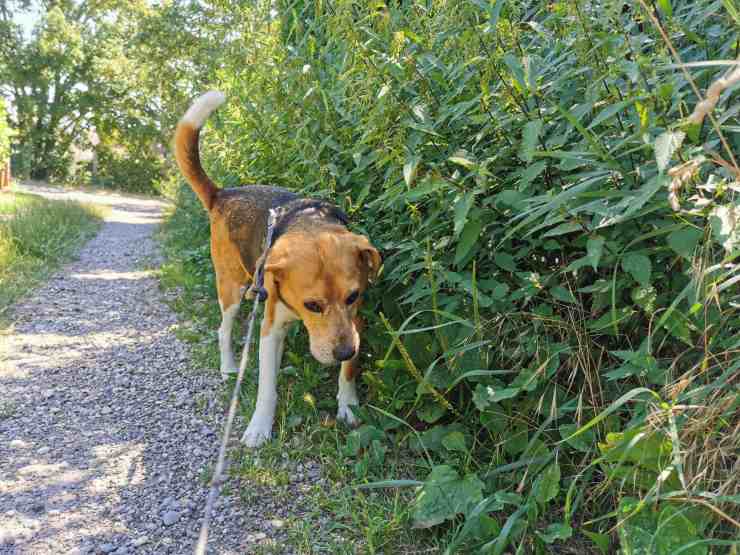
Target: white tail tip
{"points": [[198, 113]]}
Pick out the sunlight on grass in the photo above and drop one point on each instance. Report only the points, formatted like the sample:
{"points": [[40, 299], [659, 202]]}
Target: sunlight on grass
{"points": [[36, 236]]}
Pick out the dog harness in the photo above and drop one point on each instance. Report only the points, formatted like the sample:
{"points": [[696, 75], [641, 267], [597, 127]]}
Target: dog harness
{"points": [[278, 222]]}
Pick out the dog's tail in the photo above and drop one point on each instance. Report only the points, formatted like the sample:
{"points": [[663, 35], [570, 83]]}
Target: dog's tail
{"points": [[186, 145]]}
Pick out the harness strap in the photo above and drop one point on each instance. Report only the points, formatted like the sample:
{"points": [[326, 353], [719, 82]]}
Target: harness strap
{"points": [[277, 221], [258, 284]]}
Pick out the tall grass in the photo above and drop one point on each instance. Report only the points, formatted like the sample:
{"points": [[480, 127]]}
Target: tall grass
{"points": [[36, 236], [555, 335]]}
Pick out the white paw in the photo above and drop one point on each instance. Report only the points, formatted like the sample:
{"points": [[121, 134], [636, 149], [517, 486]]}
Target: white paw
{"points": [[345, 414], [257, 434]]}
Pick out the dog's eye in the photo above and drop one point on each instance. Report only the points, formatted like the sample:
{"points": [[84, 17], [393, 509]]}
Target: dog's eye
{"points": [[352, 297], [313, 306]]}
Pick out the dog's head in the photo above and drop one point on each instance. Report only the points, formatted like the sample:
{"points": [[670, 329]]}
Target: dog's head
{"points": [[322, 278]]}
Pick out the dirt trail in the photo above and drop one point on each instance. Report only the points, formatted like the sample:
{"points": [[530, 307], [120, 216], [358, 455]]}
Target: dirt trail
{"points": [[103, 438]]}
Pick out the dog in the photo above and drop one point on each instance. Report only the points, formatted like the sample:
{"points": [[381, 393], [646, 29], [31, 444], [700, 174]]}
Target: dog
{"points": [[315, 271]]}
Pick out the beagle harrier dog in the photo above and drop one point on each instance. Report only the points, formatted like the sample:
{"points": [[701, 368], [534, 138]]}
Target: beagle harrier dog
{"points": [[315, 271]]}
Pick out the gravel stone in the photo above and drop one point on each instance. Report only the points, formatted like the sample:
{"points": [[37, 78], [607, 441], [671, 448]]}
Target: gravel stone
{"points": [[100, 380], [170, 517]]}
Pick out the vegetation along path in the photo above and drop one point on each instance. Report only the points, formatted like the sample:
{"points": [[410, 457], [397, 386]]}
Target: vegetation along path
{"points": [[102, 447]]}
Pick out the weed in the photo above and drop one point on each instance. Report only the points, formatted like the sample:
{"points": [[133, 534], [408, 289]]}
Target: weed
{"points": [[36, 236]]}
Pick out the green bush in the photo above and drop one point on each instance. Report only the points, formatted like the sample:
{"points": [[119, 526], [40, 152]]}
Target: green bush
{"points": [[5, 134], [558, 314], [133, 169]]}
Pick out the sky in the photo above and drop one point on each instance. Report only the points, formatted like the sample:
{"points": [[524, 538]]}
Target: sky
{"points": [[27, 18]]}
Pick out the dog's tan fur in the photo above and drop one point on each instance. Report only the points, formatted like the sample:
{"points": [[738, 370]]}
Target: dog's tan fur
{"points": [[317, 261]]}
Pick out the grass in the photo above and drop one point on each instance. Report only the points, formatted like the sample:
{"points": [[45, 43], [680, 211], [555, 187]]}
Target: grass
{"points": [[336, 516], [37, 235]]}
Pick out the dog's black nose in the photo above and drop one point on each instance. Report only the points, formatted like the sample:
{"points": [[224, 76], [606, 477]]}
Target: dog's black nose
{"points": [[344, 352]]}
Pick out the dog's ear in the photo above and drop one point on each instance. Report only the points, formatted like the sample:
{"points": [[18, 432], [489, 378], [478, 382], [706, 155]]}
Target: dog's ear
{"points": [[272, 272], [369, 257], [275, 267]]}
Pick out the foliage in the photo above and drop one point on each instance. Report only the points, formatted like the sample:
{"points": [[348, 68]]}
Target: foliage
{"points": [[554, 338], [95, 76], [6, 133], [36, 236]]}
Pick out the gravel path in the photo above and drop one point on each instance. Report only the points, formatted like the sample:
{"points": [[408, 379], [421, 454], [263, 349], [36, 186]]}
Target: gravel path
{"points": [[105, 433]]}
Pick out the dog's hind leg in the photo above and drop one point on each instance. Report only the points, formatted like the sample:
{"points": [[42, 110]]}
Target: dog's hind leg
{"points": [[231, 279], [230, 300], [228, 315]]}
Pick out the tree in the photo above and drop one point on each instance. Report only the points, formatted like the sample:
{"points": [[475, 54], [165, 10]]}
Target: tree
{"points": [[5, 134], [121, 67]]}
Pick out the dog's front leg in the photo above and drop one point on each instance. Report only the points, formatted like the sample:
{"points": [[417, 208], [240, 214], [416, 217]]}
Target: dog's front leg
{"points": [[347, 393], [260, 427]]}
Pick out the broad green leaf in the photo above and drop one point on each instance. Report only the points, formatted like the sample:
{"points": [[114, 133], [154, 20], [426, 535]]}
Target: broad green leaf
{"points": [[684, 241], [426, 189], [445, 495], [493, 421], [627, 209], [677, 324], [530, 135], [510, 197], [431, 411], [583, 443], [495, 289], [463, 159], [468, 237], [638, 266], [505, 261], [455, 441], [462, 207], [594, 248], [557, 531], [562, 294], [601, 541], [562, 229], [547, 485], [733, 9], [481, 397], [666, 7], [644, 531], [517, 70], [506, 393], [665, 145], [531, 173], [610, 111], [487, 395]]}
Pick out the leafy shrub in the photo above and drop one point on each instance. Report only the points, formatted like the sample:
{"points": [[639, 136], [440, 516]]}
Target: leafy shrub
{"points": [[134, 169], [5, 134], [561, 242]]}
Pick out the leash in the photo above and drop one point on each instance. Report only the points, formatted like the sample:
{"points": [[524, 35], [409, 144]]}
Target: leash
{"points": [[258, 292]]}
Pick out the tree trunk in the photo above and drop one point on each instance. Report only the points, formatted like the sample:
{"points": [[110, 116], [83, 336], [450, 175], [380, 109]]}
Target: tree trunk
{"points": [[5, 176]]}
